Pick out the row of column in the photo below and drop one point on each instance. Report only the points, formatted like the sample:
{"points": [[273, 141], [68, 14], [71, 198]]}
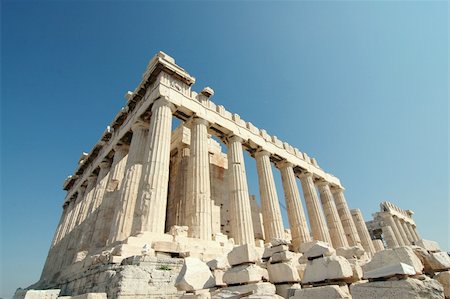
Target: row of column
{"points": [[140, 204], [397, 232]]}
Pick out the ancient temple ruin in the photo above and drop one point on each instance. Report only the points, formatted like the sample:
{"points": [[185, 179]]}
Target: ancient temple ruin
{"points": [[151, 196]]}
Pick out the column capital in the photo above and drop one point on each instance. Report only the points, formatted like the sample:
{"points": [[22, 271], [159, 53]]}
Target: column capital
{"points": [[105, 164], [284, 164], [235, 138], [322, 183], [261, 152], [139, 125], [120, 147], [200, 121], [163, 101], [305, 174]]}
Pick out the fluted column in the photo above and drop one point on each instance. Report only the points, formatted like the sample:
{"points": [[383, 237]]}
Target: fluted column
{"points": [[401, 231], [106, 210], [89, 194], [378, 245], [389, 221], [198, 201], [407, 232], [241, 221], [363, 233], [317, 221], [273, 222], [334, 224], [62, 222], [413, 233], [389, 236], [296, 215], [78, 204], [150, 214], [123, 216], [346, 218]]}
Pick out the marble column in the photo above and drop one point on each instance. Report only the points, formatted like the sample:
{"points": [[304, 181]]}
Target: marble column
{"points": [[412, 232], [123, 215], [334, 224], [408, 233], [363, 233], [62, 222], [273, 222], [416, 234], [346, 218], [296, 215], [389, 236], [89, 194], [378, 245], [317, 221], [150, 214], [401, 231], [106, 210], [78, 204], [389, 221], [241, 222], [198, 201]]}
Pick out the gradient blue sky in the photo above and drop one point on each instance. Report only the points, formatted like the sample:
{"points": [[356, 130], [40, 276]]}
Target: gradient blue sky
{"points": [[361, 86]]}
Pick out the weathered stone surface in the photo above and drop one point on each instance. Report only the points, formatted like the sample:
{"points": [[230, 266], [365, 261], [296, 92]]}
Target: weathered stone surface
{"points": [[269, 251], [319, 249], [327, 268], [283, 256], [243, 254], [444, 279], [194, 275], [256, 289], [278, 241], [438, 261], [219, 263], [282, 272], [394, 256], [287, 290], [246, 273], [409, 288], [428, 245], [356, 269], [328, 292], [218, 277], [37, 294], [90, 296], [390, 270], [350, 252]]}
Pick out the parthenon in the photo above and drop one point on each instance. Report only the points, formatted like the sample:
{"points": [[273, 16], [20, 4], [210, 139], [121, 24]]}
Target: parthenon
{"points": [[147, 189]]}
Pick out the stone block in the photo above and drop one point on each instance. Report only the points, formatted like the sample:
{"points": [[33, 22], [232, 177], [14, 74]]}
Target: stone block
{"points": [[199, 294], [287, 290], [328, 292], [220, 262], [194, 275], [283, 256], [350, 252], [169, 247], [356, 269], [37, 294], [218, 277], [335, 268], [246, 273], [256, 289], [444, 280], [430, 246], [316, 250], [438, 261], [269, 251], [243, 254], [279, 241], [409, 288], [176, 230], [389, 271], [282, 273], [394, 256], [90, 296]]}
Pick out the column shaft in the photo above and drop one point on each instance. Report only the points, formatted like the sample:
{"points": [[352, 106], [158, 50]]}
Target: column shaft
{"points": [[346, 218], [413, 233], [407, 232], [337, 233], [150, 214], [378, 245], [296, 215], [61, 224], [106, 210], [317, 221], [362, 231], [389, 221], [198, 202], [241, 222], [273, 223], [124, 211], [401, 231], [389, 236]]}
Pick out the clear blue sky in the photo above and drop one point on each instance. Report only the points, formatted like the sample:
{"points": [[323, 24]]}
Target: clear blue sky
{"points": [[361, 86]]}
